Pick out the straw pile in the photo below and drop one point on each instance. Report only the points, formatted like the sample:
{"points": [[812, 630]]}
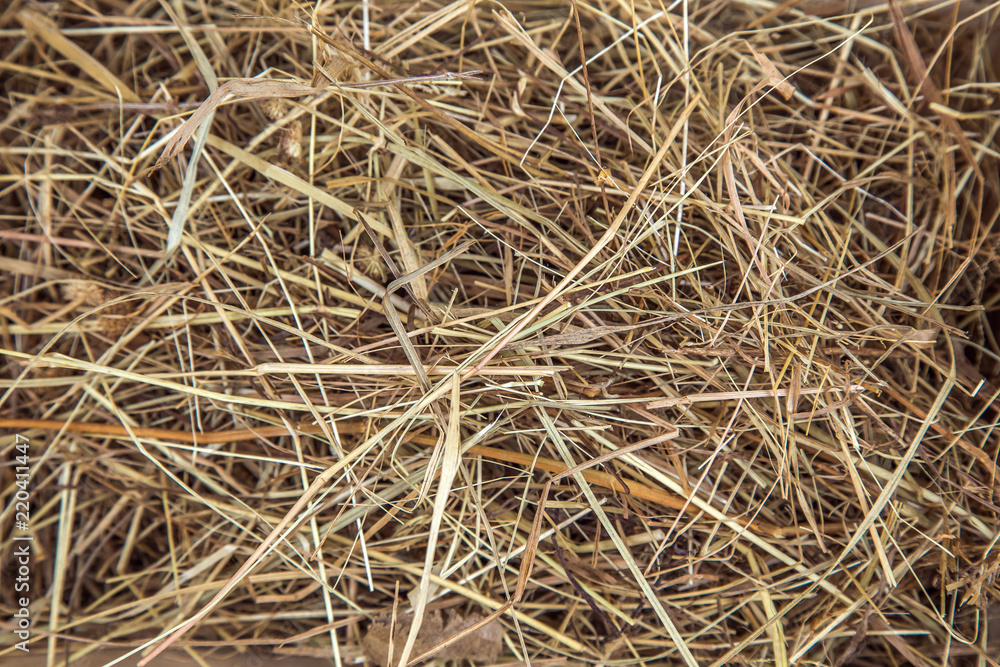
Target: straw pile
{"points": [[526, 333]]}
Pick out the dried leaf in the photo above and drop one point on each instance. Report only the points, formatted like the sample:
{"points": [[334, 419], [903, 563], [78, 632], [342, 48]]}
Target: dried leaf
{"points": [[482, 645], [383, 633]]}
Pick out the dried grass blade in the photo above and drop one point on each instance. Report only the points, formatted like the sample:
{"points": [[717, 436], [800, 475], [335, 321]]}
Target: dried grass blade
{"points": [[44, 30], [924, 82], [612, 230], [449, 468], [179, 216], [643, 582], [390, 312], [280, 532]]}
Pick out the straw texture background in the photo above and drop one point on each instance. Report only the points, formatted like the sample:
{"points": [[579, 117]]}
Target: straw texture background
{"points": [[548, 333]]}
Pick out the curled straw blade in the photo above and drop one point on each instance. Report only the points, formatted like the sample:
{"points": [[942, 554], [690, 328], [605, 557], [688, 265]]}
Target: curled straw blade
{"points": [[260, 89]]}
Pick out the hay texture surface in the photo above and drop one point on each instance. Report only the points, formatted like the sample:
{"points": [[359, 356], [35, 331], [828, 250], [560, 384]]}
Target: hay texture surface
{"points": [[548, 333]]}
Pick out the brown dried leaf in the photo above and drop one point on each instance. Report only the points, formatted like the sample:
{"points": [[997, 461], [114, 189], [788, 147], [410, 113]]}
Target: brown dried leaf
{"points": [[383, 633], [482, 645]]}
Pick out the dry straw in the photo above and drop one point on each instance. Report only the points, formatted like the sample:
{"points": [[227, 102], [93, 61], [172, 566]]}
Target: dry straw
{"points": [[544, 333]]}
